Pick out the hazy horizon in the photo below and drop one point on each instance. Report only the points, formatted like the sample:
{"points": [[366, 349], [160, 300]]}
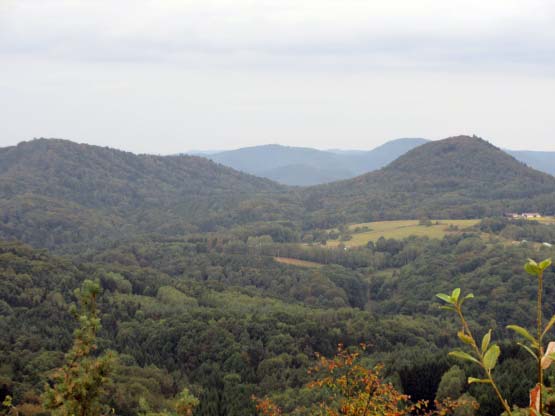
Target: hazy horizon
{"points": [[206, 152], [165, 78]]}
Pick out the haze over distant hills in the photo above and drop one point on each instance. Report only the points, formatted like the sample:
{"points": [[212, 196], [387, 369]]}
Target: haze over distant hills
{"points": [[302, 166], [305, 166], [542, 161]]}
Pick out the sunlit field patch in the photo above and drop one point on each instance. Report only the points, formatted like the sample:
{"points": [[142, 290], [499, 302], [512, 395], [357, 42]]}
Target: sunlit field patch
{"points": [[401, 229], [296, 262]]}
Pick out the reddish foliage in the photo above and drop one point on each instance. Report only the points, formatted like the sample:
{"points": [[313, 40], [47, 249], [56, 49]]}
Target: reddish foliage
{"points": [[355, 390]]}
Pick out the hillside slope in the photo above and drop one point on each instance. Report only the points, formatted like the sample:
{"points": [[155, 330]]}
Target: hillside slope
{"points": [[459, 177], [542, 161], [305, 175], [285, 164], [304, 166], [383, 155], [56, 192]]}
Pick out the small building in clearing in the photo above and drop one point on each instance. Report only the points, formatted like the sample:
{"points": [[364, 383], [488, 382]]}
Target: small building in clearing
{"points": [[525, 215], [531, 215]]}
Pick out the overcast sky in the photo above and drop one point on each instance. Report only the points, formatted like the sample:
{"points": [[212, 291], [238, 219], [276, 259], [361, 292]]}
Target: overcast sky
{"points": [[163, 76]]}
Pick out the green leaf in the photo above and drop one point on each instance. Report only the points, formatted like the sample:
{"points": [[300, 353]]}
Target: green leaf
{"points": [[544, 264], [447, 308], [445, 298], [491, 356], [469, 296], [478, 380], [527, 348], [485, 341], [463, 356], [455, 295], [532, 268], [7, 401], [523, 332], [465, 338], [549, 325]]}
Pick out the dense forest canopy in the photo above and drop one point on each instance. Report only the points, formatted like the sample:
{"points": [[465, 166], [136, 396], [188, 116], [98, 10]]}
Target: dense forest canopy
{"points": [[227, 323], [222, 285], [56, 192]]}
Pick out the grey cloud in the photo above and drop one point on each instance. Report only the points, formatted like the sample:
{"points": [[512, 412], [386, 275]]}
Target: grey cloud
{"points": [[161, 77], [273, 32]]}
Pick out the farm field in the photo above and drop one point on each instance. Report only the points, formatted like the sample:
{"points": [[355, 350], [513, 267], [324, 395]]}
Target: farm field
{"points": [[296, 262], [400, 229]]}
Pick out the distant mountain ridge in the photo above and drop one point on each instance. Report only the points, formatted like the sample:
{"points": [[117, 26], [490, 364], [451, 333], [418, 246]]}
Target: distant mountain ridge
{"points": [[304, 175], [300, 166], [542, 161]]}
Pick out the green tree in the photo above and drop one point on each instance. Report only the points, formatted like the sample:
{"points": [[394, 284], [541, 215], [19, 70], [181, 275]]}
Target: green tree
{"points": [[185, 403], [78, 386], [452, 384]]}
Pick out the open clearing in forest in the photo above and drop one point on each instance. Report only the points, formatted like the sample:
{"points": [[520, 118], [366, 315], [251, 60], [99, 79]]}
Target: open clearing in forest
{"points": [[297, 262], [401, 229]]}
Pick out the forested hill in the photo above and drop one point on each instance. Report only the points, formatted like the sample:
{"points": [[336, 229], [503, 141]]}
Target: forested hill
{"points": [[457, 177], [466, 157], [56, 192]]}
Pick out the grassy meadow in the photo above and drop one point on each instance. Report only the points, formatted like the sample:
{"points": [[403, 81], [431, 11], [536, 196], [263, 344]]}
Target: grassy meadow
{"points": [[545, 220], [400, 229]]}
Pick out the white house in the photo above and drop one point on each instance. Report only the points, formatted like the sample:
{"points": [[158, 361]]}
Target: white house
{"points": [[531, 215]]}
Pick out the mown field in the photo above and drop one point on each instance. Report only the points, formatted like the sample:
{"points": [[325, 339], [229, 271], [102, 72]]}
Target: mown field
{"points": [[296, 262], [401, 229], [545, 220]]}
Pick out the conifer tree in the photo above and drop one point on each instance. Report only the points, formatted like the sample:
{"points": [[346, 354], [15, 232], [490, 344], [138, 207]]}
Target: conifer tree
{"points": [[76, 388]]}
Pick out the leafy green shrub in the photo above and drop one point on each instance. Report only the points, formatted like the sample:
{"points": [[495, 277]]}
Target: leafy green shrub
{"points": [[486, 354]]}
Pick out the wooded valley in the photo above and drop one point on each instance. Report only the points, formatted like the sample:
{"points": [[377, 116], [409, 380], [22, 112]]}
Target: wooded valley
{"points": [[219, 292]]}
